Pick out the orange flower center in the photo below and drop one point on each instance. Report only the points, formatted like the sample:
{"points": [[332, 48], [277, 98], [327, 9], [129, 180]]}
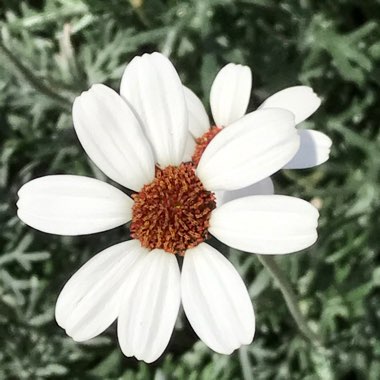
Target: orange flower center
{"points": [[202, 142], [173, 211]]}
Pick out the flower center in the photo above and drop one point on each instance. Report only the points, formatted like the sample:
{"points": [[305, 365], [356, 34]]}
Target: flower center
{"points": [[173, 211], [202, 142]]}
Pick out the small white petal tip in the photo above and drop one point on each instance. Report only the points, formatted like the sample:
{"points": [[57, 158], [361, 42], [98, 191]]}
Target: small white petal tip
{"points": [[230, 93], [314, 150], [302, 101]]}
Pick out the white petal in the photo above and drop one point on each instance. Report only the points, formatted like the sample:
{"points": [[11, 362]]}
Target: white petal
{"points": [[72, 205], [314, 150], [112, 137], [301, 100], [152, 87], [266, 224], [189, 148], [263, 187], [215, 300], [253, 148], [90, 300], [230, 93], [199, 122], [150, 307]]}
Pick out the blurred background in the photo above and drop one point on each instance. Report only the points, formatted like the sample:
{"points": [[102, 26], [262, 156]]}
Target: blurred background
{"points": [[51, 51]]}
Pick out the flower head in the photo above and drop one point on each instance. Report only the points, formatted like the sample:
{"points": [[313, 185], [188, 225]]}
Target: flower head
{"points": [[140, 140], [173, 211]]}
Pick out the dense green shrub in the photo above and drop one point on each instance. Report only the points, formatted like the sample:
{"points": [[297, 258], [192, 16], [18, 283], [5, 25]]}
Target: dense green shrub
{"points": [[52, 50]]}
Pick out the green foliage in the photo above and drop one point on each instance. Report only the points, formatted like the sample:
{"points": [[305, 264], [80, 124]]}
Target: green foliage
{"points": [[52, 50]]}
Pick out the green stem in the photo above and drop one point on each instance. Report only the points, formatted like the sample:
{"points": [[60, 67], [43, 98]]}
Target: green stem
{"points": [[290, 298], [33, 80], [245, 363]]}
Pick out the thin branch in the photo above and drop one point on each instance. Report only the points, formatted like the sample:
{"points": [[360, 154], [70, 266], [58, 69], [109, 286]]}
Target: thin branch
{"points": [[33, 80], [245, 363], [290, 298]]}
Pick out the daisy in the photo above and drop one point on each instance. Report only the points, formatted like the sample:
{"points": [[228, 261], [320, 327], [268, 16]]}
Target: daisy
{"points": [[229, 98], [139, 140]]}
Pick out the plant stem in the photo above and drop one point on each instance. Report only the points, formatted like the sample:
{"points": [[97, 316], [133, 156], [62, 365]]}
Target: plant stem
{"points": [[290, 298], [245, 363]]}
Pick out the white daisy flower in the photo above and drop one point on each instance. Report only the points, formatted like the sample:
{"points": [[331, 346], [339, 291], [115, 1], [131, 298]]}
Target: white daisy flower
{"points": [[229, 98], [139, 141]]}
